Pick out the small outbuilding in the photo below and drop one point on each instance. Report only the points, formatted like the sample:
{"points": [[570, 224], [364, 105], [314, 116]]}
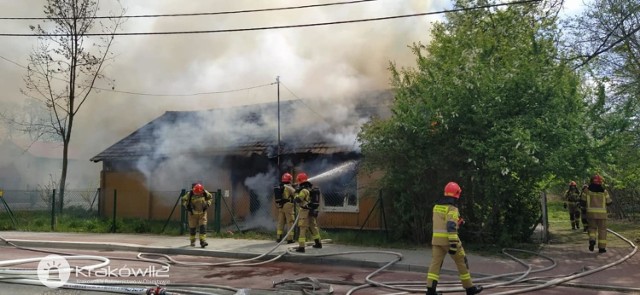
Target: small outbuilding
{"points": [[242, 151]]}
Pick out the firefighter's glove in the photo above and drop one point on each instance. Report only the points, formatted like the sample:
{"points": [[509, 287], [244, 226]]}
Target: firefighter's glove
{"points": [[460, 221], [453, 248], [565, 205], [297, 200]]}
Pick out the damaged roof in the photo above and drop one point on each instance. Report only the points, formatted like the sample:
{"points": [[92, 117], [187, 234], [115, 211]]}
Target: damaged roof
{"points": [[249, 129]]}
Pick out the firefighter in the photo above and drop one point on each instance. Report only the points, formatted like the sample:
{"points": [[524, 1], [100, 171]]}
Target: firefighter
{"points": [[284, 194], [196, 202], [583, 210], [446, 221], [571, 201], [596, 199], [307, 200]]}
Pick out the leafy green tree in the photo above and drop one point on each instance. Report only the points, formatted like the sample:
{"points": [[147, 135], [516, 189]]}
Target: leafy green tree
{"points": [[605, 42], [490, 106]]}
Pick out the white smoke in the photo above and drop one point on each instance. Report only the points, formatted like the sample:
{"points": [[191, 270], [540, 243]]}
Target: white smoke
{"points": [[324, 66], [261, 185]]}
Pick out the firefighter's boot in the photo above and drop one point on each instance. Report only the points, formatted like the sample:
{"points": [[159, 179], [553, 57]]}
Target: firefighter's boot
{"points": [[592, 245], [300, 249], [573, 226], [203, 243], [279, 239], [474, 290], [317, 244], [290, 242], [192, 236], [432, 290], [602, 250]]}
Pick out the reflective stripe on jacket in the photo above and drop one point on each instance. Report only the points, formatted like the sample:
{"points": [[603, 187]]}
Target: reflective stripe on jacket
{"points": [[288, 193], [303, 196], [596, 204], [198, 202], [445, 225], [572, 195]]}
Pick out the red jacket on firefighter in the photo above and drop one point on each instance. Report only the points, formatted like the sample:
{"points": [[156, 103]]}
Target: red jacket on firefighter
{"points": [[446, 220]]}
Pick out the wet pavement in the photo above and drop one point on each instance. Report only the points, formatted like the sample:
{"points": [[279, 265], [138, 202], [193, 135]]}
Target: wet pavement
{"points": [[263, 267]]}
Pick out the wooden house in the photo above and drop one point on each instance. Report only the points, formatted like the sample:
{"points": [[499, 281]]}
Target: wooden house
{"points": [[242, 151]]}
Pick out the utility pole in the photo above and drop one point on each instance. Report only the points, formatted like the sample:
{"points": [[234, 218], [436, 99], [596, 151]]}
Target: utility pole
{"points": [[278, 83]]}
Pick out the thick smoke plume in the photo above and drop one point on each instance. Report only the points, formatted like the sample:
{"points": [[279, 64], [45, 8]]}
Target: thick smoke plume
{"points": [[323, 66]]}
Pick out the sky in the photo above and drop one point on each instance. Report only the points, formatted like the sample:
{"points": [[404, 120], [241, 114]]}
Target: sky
{"points": [[312, 63], [321, 64]]}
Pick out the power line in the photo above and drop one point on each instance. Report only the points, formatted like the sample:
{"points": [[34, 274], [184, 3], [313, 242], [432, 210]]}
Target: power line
{"points": [[279, 27], [305, 104], [187, 94], [157, 94], [330, 124], [191, 14]]}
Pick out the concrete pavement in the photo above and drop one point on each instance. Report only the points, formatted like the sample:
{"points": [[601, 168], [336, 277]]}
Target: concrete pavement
{"points": [[414, 260], [570, 259]]}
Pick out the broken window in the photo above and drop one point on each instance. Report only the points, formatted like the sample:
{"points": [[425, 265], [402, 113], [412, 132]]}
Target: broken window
{"points": [[340, 194]]}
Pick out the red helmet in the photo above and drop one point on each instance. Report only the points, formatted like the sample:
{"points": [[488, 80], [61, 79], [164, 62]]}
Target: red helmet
{"points": [[198, 188], [452, 189], [597, 179], [286, 178], [572, 183], [302, 177]]}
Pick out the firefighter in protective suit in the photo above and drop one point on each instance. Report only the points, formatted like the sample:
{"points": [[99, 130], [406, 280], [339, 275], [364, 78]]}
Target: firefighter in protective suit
{"points": [[308, 212], [196, 202], [571, 202], [284, 200], [583, 209], [596, 199], [446, 221]]}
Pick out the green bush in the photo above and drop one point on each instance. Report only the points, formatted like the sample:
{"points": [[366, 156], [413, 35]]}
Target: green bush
{"points": [[140, 226]]}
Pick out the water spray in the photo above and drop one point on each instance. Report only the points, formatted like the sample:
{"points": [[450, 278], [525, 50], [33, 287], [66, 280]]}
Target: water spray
{"points": [[336, 171]]}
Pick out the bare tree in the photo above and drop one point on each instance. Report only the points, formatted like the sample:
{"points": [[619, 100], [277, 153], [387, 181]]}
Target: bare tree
{"points": [[65, 66]]}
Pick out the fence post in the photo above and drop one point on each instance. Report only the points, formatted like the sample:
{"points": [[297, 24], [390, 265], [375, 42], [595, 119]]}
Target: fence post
{"points": [[182, 193], [383, 218], [94, 201], [183, 217], [9, 212], [545, 217], [115, 203], [217, 208], [53, 211]]}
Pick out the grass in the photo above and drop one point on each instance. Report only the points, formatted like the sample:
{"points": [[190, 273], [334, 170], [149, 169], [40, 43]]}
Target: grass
{"points": [[83, 221], [560, 228], [78, 220]]}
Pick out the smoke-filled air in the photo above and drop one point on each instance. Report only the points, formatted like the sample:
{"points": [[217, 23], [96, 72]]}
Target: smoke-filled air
{"points": [[323, 66]]}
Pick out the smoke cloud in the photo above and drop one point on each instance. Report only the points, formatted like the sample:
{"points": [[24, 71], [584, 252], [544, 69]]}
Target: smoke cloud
{"points": [[324, 66]]}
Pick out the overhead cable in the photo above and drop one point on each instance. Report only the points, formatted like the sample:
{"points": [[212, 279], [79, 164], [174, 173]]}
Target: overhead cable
{"points": [[157, 94], [277, 27], [190, 14]]}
